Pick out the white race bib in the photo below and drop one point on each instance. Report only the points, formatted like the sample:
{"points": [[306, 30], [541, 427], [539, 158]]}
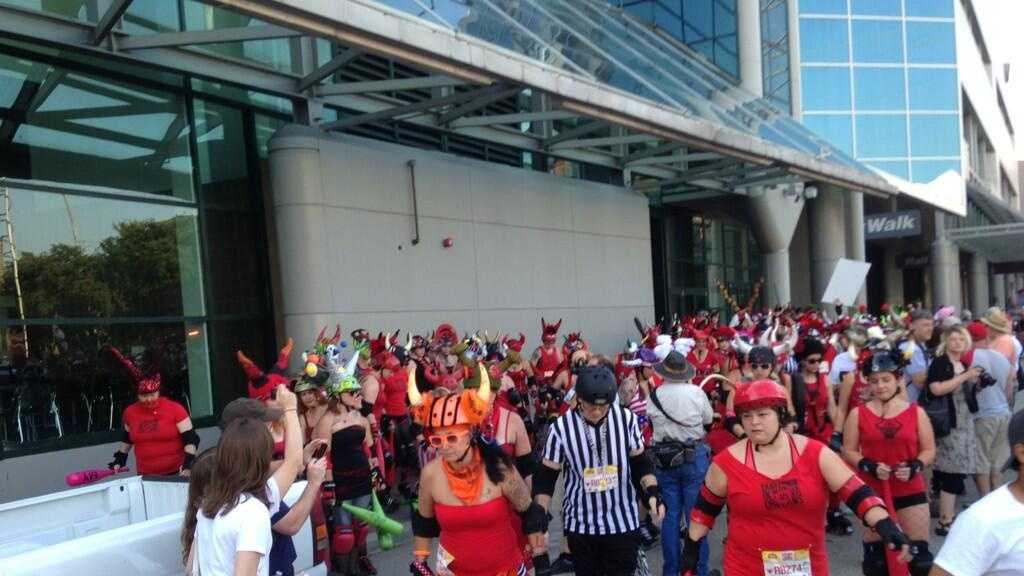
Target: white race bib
{"points": [[786, 562], [600, 479]]}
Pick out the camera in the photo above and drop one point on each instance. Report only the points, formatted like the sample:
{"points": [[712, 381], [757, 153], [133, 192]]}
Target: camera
{"points": [[985, 379]]}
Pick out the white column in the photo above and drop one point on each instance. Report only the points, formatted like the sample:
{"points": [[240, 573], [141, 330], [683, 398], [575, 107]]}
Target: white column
{"points": [[980, 294], [793, 30], [828, 236], [773, 219], [998, 290], [855, 248], [748, 28]]}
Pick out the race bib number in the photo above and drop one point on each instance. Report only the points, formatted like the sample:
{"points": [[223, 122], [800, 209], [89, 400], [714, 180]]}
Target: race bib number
{"points": [[549, 373], [786, 562], [444, 560], [600, 479]]}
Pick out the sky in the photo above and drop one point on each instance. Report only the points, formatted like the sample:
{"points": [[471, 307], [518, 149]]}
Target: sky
{"points": [[1002, 23]]}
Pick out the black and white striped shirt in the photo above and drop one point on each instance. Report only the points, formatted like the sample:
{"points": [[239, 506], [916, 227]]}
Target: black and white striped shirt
{"points": [[577, 445]]}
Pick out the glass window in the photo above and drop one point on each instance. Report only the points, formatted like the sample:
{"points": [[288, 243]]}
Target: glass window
{"points": [[931, 43], [896, 168], [877, 41], [149, 16], [81, 10], [879, 88], [824, 40], [935, 135], [927, 170], [826, 88], [266, 127], [881, 135], [91, 131], [223, 172], [243, 96], [822, 6], [276, 53], [930, 8], [933, 89], [83, 256], [876, 7], [837, 129]]}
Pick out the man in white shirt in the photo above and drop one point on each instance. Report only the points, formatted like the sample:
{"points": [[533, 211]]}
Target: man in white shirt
{"points": [[679, 411], [922, 326], [988, 538]]}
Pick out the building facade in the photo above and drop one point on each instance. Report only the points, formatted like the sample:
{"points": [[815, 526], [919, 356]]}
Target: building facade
{"points": [[182, 179]]}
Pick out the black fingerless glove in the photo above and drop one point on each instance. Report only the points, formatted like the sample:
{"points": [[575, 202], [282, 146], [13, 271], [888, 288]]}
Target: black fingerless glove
{"points": [[420, 568], [653, 491], [868, 466], [190, 459], [542, 565], [120, 460], [891, 533], [535, 519], [915, 466], [836, 442]]}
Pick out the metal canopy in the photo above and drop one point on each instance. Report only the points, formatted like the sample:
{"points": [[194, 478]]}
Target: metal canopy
{"points": [[606, 89], [999, 244]]}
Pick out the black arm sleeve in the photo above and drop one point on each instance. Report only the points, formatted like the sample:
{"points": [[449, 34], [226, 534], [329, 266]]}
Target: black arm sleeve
{"points": [[190, 437], [525, 465], [425, 527], [544, 478], [366, 409], [640, 466], [126, 437]]}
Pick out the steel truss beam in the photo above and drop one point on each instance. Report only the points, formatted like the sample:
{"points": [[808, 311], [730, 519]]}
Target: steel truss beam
{"points": [[109, 19], [398, 111], [336, 63], [608, 141], [482, 101], [653, 160], [420, 83], [199, 37], [573, 133], [513, 118]]}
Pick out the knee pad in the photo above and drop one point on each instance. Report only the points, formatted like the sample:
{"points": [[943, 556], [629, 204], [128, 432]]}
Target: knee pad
{"points": [[921, 563], [343, 540], [874, 560]]}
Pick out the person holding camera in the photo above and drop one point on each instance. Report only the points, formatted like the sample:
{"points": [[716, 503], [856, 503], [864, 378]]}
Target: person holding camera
{"points": [[959, 452], [990, 406], [680, 412]]}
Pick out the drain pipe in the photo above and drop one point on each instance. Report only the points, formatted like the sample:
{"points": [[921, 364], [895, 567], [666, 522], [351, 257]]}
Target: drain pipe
{"points": [[415, 207]]}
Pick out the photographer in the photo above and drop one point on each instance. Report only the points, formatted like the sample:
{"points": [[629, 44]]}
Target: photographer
{"points": [[991, 406]]}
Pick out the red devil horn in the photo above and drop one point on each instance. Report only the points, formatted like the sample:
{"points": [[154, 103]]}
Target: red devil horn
{"points": [[128, 365], [522, 338], [320, 336], [558, 325], [337, 334], [252, 371], [284, 355], [543, 325]]}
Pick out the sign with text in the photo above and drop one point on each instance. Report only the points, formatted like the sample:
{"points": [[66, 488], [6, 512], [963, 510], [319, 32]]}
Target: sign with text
{"points": [[892, 225]]}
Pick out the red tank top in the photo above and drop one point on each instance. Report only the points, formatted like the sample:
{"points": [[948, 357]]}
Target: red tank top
{"points": [[393, 388], [709, 365], [859, 392], [154, 432], [816, 412], [480, 539], [518, 379], [786, 514], [548, 363], [890, 441], [496, 428]]}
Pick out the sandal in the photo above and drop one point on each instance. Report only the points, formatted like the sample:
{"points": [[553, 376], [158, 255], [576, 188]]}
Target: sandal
{"points": [[942, 528]]}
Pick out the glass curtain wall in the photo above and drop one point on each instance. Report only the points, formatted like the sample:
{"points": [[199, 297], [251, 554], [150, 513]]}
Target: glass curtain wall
{"points": [[775, 52], [879, 81], [131, 217], [700, 250]]}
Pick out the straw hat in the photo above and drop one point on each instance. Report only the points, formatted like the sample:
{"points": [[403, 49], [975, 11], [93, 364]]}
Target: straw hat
{"points": [[996, 320]]}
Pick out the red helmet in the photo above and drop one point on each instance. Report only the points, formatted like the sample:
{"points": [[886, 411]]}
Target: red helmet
{"points": [[759, 394]]}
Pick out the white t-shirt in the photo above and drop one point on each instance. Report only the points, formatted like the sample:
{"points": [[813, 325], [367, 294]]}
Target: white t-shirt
{"points": [[245, 528], [987, 538]]}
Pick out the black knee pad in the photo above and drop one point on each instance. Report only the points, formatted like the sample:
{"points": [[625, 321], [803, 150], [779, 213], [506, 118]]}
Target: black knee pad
{"points": [[921, 563], [874, 560]]}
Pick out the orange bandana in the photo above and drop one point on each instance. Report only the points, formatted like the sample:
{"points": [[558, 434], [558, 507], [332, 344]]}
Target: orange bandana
{"points": [[467, 483]]}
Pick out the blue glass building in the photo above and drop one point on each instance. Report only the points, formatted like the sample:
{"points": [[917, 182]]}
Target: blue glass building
{"points": [[879, 80]]}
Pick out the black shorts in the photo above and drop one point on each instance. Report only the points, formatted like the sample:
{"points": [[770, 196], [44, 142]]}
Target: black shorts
{"points": [[902, 502], [604, 555], [949, 482]]}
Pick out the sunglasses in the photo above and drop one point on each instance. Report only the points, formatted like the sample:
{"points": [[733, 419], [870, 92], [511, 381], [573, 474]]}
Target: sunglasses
{"points": [[447, 439], [761, 366]]}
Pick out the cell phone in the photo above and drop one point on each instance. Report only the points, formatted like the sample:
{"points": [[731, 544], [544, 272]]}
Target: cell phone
{"points": [[320, 451]]}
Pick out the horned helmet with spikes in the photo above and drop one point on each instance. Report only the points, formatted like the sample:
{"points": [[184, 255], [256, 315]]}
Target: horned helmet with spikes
{"points": [[549, 331], [262, 383], [315, 361], [648, 333], [146, 382], [341, 376], [469, 408], [516, 344]]}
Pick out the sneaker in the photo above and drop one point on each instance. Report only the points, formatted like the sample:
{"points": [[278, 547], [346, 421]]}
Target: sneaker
{"points": [[563, 564], [647, 539], [838, 524]]}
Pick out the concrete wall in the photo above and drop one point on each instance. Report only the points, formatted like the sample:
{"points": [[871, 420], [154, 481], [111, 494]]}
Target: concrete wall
{"points": [[39, 474], [526, 244], [800, 262]]}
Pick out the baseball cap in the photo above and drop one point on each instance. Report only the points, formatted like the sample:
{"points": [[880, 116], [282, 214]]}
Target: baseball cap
{"points": [[248, 408], [1015, 435], [977, 330]]}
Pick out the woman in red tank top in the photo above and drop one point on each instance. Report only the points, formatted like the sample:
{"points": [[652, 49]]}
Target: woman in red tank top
{"points": [[469, 495], [777, 486], [890, 442]]}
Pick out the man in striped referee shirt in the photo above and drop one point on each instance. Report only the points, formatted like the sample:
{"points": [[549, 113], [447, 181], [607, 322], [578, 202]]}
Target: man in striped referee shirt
{"points": [[599, 443]]}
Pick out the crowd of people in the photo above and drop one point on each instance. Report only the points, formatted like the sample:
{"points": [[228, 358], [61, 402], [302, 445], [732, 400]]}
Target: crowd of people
{"points": [[792, 420]]}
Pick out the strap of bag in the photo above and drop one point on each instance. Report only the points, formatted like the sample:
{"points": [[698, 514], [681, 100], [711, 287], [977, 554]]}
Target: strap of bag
{"points": [[654, 398]]}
